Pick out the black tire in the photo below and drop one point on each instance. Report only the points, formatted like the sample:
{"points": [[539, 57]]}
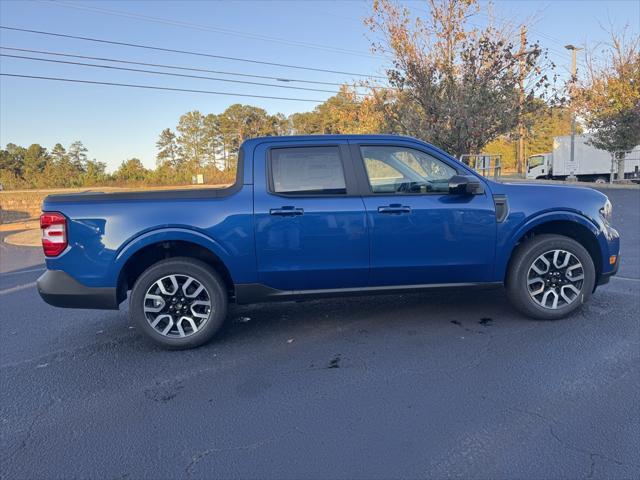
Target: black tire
{"points": [[181, 267], [522, 260]]}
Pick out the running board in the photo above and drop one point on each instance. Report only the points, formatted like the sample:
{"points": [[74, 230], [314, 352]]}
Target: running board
{"points": [[256, 292]]}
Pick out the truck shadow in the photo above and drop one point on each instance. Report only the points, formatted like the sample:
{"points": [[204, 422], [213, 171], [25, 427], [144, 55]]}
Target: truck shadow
{"points": [[260, 326], [475, 309]]}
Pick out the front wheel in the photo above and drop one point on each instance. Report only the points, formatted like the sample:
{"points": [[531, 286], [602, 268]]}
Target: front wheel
{"points": [[550, 276], [179, 303]]}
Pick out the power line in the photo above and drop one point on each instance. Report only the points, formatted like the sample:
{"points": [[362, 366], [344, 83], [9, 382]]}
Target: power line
{"points": [[224, 31], [153, 87], [174, 67], [534, 32], [156, 72], [186, 52], [514, 25]]}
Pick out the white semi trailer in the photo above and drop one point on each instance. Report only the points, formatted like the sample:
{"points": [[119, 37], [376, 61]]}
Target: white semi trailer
{"points": [[589, 164]]}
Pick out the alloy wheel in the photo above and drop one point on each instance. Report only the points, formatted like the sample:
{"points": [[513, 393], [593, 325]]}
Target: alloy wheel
{"points": [[555, 279], [177, 306]]}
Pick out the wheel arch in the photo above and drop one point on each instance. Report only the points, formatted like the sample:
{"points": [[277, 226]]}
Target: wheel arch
{"points": [[154, 246], [570, 225]]}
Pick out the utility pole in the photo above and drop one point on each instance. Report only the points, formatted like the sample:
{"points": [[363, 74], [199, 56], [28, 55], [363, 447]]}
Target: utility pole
{"points": [[573, 49], [522, 75]]}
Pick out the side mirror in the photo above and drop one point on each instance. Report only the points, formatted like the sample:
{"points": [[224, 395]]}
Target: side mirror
{"points": [[465, 185]]}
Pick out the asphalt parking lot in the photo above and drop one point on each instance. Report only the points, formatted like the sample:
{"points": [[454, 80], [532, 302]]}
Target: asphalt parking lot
{"points": [[437, 385]]}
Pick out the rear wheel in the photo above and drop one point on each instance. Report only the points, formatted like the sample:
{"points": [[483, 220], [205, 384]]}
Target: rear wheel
{"points": [[179, 303], [601, 180], [550, 276]]}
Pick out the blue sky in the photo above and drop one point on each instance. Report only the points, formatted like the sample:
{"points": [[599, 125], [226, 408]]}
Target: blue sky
{"points": [[117, 123]]}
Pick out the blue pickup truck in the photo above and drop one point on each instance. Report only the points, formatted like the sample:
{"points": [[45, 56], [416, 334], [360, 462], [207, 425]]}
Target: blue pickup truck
{"points": [[318, 216]]}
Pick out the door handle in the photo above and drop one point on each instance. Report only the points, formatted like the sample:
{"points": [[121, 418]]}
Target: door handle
{"points": [[286, 211], [394, 208]]}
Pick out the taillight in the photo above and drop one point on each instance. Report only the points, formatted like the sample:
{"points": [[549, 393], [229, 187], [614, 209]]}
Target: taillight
{"points": [[54, 233]]}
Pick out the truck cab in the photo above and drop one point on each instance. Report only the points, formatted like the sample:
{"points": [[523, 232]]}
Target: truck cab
{"points": [[539, 166]]}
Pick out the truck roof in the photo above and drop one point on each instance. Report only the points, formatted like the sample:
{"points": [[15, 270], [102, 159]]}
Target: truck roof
{"points": [[286, 138]]}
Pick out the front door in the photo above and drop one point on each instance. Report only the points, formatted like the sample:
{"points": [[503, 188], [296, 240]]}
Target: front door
{"points": [[310, 223], [419, 233]]}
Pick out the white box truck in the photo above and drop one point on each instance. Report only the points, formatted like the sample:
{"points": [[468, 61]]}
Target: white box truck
{"points": [[589, 164]]}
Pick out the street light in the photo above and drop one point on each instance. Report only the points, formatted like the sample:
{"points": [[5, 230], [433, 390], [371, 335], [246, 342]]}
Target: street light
{"points": [[573, 49]]}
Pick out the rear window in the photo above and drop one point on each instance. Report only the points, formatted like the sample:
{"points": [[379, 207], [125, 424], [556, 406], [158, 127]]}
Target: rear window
{"points": [[307, 171]]}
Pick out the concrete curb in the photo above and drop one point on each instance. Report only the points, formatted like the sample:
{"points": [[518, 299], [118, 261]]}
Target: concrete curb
{"points": [[21, 225], [26, 238]]}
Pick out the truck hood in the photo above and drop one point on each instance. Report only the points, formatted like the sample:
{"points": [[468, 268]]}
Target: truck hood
{"points": [[548, 188], [537, 198]]}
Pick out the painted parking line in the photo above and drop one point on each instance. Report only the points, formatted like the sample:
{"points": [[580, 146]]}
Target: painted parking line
{"points": [[2, 275], [628, 279], [17, 288]]}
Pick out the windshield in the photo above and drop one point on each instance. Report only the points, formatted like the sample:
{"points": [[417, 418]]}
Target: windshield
{"points": [[536, 161]]}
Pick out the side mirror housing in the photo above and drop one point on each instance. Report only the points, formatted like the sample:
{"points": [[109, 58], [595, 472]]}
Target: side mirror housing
{"points": [[465, 185]]}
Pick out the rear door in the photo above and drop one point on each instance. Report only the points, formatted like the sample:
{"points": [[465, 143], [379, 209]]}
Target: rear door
{"points": [[419, 233], [310, 223]]}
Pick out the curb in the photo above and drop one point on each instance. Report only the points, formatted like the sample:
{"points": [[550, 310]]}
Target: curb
{"points": [[25, 238], [21, 225]]}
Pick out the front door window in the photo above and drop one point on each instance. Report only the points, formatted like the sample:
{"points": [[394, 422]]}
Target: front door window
{"points": [[402, 170]]}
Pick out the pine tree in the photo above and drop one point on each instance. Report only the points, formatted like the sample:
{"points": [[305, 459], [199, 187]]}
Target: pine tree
{"points": [[78, 156], [192, 142], [168, 150]]}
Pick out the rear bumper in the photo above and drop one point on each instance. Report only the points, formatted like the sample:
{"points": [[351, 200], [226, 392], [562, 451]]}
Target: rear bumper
{"points": [[59, 289]]}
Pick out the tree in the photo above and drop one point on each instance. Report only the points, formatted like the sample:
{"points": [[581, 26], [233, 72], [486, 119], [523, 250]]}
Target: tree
{"points": [[78, 155], [58, 153], [192, 143], [608, 99], [239, 122], [35, 161], [12, 159], [131, 170], [214, 146], [541, 126], [12, 166], [96, 173], [279, 125], [168, 150], [306, 123], [342, 113], [61, 171], [347, 113], [456, 85]]}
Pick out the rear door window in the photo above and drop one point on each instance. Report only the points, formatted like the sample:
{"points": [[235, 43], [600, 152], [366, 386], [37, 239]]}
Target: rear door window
{"points": [[307, 171]]}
